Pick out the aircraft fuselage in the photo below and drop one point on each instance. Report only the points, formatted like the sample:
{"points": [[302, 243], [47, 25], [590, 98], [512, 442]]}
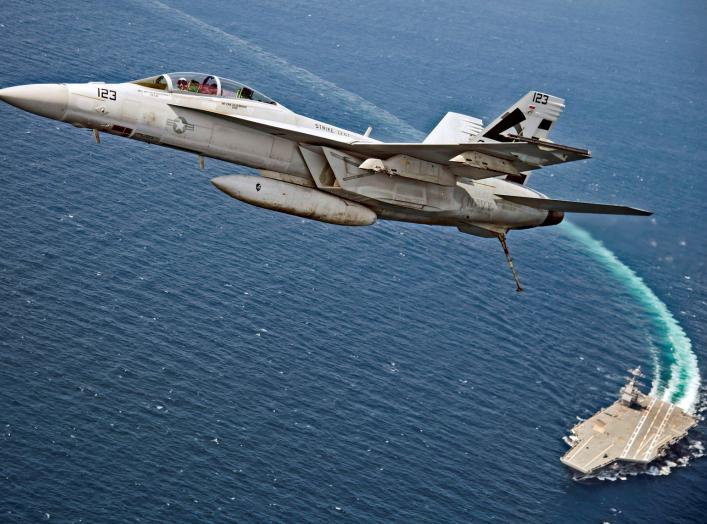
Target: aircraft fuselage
{"points": [[188, 123]]}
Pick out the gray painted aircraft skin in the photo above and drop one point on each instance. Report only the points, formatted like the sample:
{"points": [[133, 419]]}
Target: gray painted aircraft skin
{"points": [[464, 174]]}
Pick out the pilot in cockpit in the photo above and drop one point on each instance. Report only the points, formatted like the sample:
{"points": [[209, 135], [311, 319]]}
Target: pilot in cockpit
{"points": [[245, 92], [208, 86], [193, 86], [182, 84]]}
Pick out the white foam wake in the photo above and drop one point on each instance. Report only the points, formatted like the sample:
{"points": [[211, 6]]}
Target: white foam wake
{"points": [[674, 347]]}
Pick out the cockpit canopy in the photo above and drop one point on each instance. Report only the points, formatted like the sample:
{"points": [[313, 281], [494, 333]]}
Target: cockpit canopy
{"points": [[202, 84]]}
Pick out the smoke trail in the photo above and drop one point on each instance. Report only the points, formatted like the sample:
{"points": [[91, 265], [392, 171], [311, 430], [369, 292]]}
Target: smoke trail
{"points": [[677, 377], [672, 347]]}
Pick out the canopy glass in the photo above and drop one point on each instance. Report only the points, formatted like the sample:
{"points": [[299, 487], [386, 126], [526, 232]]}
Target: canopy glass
{"points": [[202, 84]]}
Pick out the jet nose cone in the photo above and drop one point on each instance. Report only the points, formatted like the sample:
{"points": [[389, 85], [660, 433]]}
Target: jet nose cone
{"points": [[49, 100]]}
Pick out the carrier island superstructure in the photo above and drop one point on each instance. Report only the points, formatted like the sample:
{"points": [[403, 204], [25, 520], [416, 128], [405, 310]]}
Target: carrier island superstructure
{"points": [[637, 428]]}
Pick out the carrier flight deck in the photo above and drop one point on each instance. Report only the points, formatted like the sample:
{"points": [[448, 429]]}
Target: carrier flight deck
{"points": [[637, 428]]}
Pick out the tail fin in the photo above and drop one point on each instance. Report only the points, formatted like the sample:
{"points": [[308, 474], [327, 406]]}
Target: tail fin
{"points": [[455, 128], [531, 117]]}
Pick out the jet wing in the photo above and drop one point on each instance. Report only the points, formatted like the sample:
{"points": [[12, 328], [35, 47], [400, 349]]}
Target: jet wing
{"points": [[524, 154]]}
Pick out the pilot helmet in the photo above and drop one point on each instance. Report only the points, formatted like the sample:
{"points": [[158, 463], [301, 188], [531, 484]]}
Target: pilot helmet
{"points": [[182, 83]]}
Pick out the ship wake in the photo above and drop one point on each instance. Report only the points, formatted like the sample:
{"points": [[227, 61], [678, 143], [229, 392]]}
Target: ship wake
{"points": [[676, 376]]}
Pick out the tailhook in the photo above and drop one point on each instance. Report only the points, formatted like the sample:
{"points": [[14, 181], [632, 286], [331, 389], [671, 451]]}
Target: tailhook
{"points": [[502, 239]]}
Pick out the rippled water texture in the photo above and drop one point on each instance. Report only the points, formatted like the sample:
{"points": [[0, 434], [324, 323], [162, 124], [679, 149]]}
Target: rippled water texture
{"points": [[173, 355]]}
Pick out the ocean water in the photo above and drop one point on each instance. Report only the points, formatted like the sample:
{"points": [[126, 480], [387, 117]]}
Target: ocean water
{"points": [[169, 354]]}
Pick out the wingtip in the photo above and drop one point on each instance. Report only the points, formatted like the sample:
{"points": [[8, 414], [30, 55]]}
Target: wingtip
{"points": [[636, 211]]}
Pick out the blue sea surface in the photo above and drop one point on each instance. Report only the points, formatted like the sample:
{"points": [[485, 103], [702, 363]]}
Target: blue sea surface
{"points": [[168, 354]]}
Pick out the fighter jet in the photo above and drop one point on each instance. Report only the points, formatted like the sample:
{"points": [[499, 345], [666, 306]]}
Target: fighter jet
{"points": [[464, 174]]}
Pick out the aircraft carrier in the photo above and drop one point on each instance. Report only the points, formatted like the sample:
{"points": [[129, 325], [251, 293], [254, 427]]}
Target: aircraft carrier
{"points": [[637, 428]]}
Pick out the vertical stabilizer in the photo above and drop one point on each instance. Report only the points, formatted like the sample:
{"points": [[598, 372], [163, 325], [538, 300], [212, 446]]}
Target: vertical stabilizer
{"points": [[455, 128], [531, 117]]}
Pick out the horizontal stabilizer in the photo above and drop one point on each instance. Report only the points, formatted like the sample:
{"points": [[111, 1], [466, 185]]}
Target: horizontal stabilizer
{"points": [[575, 207]]}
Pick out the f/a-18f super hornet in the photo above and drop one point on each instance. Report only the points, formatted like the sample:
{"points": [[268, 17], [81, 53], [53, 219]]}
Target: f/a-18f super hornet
{"points": [[463, 174]]}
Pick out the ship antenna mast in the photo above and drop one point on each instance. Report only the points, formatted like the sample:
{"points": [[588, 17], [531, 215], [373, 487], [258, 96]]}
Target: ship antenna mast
{"points": [[629, 393]]}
